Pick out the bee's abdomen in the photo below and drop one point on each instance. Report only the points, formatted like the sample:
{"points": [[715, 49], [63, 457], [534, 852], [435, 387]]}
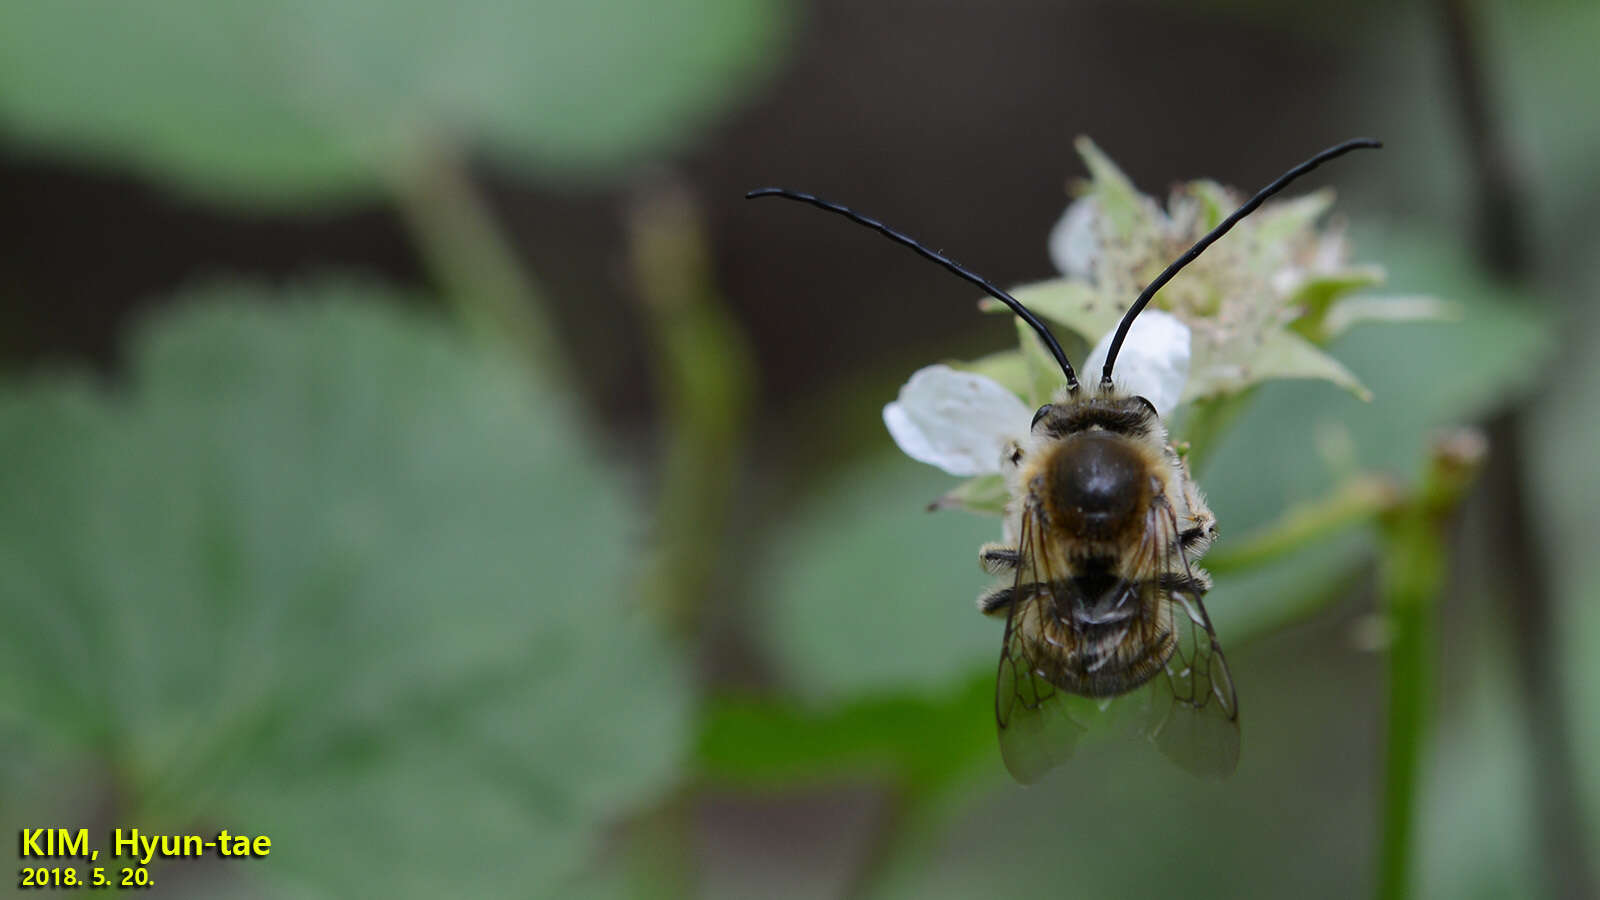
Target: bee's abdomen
{"points": [[1110, 662], [1105, 636]]}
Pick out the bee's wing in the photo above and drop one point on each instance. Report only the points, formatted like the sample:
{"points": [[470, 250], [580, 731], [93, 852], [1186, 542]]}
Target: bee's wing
{"points": [[1193, 710], [1189, 710], [1038, 729]]}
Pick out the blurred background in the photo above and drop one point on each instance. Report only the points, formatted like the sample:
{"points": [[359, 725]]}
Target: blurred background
{"points": [[414, 449]]}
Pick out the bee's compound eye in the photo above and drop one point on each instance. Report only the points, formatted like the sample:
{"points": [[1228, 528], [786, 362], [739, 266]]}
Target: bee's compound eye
{"points": [[1148, 405], [1043, 411]]}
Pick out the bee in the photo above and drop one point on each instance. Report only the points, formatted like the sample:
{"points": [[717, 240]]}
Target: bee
{"points": [[1103, 592]]}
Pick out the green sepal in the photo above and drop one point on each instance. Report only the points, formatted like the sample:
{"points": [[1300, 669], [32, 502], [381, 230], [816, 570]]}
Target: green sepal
{"points": [[1070, 304], [1006, 367], [1282, 354], [1353, 311], [1318, 294], [1119, 201], [985, 495]]}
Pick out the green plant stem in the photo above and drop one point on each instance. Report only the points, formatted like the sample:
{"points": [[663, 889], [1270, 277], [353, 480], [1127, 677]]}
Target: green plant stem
{"points": [[1358, 500], [704, 372], [1412, 574], [1413, 566], [472, 263]]}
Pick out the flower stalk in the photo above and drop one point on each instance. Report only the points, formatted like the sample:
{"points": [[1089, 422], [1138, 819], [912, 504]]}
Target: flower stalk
{"points": [[475, 267], [1413, 566], [703, 369]]}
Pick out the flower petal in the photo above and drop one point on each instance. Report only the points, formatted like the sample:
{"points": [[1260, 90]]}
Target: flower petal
{"points": [[958, 421], [1154, 361]]}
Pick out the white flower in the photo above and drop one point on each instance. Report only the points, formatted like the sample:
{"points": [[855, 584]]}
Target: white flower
{"points": [[964, 422], [1260, 303], [958, 421], [1153, 362]]}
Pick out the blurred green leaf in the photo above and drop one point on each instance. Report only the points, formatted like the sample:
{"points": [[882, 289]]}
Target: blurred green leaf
{"points": [[305, 99], [1541, 60], [314, 575], [1481, 842], [871, 594], [1298, 439], [766, 741]]}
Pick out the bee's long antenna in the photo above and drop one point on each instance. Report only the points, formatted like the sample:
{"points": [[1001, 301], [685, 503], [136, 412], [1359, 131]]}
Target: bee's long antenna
{"points": [[960, 270], [1217, 232]]}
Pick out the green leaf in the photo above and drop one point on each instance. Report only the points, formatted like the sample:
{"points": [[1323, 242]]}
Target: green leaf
{"points": [[1298, 440], [871, 594], [306, 99], [765, 741], [312, 574], [1286, 448]]}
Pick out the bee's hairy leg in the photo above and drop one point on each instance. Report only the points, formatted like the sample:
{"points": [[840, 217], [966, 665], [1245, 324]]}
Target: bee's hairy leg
{"points": [[1201, 532], [996, 601], [998, 559]]}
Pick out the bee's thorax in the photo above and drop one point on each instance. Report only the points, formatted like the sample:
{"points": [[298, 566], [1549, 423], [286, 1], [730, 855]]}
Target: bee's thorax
{"points": [[1098, 485]]}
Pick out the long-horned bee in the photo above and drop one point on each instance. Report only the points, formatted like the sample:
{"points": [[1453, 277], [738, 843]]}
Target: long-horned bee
{"points": [[1103, 594]]}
